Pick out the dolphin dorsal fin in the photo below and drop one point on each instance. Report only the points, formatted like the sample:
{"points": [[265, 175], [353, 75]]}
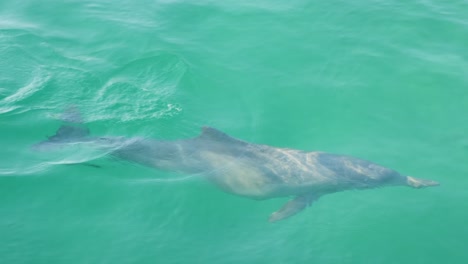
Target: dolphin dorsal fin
{"points": [[209, 133]]}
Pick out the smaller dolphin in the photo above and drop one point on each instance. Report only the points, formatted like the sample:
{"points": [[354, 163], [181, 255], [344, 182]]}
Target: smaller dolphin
{"points": [[242, 168]]}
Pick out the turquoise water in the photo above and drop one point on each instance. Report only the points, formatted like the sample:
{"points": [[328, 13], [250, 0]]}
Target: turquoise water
{"points": [[381, 80]]}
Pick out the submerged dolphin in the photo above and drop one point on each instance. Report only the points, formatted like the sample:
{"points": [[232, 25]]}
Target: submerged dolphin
{"points": [[246, 169]]}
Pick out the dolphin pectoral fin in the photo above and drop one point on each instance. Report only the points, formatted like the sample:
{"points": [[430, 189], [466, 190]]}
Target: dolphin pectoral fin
{"points": [[293, 207]]}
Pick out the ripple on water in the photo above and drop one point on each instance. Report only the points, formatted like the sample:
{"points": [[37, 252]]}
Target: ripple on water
{"points": [[22, 78], [142, 89]]}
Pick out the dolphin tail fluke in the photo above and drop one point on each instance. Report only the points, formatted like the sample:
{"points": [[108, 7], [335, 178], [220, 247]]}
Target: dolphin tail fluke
{"points": [[73, 127], [72, 130], [420, 183], [72, 115], [293, 207]]}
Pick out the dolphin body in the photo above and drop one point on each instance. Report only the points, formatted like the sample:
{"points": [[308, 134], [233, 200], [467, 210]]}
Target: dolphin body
{"points": [[245, 169]]}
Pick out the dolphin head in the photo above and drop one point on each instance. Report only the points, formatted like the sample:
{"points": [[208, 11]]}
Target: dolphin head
{"points": [[383, 176]]}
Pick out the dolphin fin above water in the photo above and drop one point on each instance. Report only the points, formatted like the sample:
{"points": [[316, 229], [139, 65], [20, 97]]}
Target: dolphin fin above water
{"points": [[242, 168]]}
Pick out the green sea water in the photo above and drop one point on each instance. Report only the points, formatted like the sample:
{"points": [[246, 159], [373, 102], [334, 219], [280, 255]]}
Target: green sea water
{"points": [[381, 80]]}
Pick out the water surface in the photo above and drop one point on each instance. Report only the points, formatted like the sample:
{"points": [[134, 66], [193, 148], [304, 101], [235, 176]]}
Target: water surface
{"points": [[381, 80]]}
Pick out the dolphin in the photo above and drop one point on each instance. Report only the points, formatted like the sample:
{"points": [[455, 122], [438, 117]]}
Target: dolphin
{"points": [[245, 169]]}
